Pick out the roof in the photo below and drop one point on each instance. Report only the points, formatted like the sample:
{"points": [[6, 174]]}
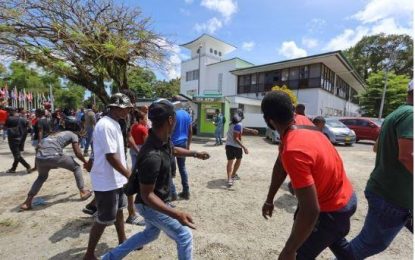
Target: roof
{"points": [[334, 60], [235, 58], [206, 37]]}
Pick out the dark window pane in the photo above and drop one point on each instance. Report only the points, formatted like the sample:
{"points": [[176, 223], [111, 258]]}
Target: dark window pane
{"points": [[293, 84], [284, 75], [314, 83], [314, 70], [261, 87], [294, 73], [303, 83]]}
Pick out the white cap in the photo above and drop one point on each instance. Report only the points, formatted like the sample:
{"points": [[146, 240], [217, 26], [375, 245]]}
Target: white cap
{"points": [[411, 85]]}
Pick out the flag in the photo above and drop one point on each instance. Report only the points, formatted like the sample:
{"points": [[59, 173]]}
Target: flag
{"points": [[15, 94]]}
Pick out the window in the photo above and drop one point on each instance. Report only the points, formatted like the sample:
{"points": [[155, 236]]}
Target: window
{"points": [[192, 75], [220, 54], [261, 80], [363, 123], [211, 51], [314, 70], [216, 52], [304, 72], [284, 75], [327, 79], [244, 84], [220, 79], [294, 73]]}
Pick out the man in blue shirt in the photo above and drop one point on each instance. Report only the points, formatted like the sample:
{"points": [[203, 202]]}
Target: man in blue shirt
{"points": [[182, 137], [219, 127]]}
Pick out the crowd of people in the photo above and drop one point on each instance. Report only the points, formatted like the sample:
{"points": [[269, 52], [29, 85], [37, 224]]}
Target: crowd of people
{"points": [[159, 138]]}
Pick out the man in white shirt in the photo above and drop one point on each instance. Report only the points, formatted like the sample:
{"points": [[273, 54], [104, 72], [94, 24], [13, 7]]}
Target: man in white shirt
{"points": [[109, 172]]}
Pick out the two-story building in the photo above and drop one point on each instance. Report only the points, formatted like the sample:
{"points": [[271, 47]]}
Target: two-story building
{"points": [[326, 83]]}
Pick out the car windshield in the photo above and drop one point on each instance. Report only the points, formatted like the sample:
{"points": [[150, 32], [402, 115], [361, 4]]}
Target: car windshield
{"points": [[335, 124], [378, 122]]}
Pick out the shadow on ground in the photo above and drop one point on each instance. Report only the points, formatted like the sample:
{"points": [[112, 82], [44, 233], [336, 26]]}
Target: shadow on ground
{"points": [[286, 202], [218, 184], [72, 229], [78, 253], [48, 203]]}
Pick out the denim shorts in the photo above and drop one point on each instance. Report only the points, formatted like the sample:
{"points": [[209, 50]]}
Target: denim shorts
{"points": [[108, 204]]}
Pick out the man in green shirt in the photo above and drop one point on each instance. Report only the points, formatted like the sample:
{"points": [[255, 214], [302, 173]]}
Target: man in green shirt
{"points": [[389, 190]]}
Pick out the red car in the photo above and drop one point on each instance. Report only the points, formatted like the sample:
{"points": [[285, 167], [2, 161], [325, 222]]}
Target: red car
{"points": [[364, 127]]}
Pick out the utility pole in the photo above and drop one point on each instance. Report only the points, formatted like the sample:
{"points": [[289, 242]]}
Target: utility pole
{"points": [[388, 65], [198, 76], [51, 98]]}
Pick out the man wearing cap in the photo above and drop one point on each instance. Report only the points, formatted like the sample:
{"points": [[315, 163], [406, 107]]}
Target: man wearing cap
{"points": [[109, 172], [151, 181], [389, 190]]}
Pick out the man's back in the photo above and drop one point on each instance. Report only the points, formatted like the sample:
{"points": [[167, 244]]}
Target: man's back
{"points": [[309, 158], [181, 131], [89, 118], [390, 179], [53, 145]]}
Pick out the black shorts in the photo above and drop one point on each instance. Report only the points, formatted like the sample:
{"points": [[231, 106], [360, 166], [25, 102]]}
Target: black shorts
{"points": [[233, 152], [108, 204]]}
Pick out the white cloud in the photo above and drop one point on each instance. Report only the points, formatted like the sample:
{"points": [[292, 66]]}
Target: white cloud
{"points": [[378, 16], [309, 43], [248, 46], [210, 26], [377, 10], [225, 7], [316, 25], [290, 50]]}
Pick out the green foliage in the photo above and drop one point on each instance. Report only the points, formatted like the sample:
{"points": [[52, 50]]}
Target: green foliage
{"points": [[288, 91], [142, 82], [70, 96], [24, 77], [167, 89], [395, 93], [371, 52]]}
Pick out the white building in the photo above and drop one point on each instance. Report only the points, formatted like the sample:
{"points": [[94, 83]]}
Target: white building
{"points": [[326, 83]]}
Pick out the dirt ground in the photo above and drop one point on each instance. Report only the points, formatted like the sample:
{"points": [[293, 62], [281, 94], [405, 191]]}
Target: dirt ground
{"points": [[229, 221]]}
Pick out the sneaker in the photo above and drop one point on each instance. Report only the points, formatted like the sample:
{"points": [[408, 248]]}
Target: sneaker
{"points": [[30, 170], [229, 184], [236, 177], [184, 195], [90, 210], [11, 171]]}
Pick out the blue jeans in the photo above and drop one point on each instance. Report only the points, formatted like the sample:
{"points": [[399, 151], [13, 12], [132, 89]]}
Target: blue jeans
{"points": [[330, 230], [181, 164], [383, 222], [218, 134], [89, 132], [133, 155], [155, 221]]}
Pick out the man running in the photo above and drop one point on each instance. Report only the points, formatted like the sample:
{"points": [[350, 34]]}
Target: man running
{"points": [[326, 200], [16, 127], [50, 155], [219, 121], [151, 182], [109, 172]]}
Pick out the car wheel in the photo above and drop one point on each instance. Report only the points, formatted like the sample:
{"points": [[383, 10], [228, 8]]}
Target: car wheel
{"points": [[348, 144]]}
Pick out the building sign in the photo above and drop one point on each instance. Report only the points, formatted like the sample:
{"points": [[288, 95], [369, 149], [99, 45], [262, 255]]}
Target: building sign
{"points": [[207, 99]]}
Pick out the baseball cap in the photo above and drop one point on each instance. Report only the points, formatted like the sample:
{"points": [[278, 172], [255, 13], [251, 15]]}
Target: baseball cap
{"points": [[161, 109], [120, 100], [411, 85]]}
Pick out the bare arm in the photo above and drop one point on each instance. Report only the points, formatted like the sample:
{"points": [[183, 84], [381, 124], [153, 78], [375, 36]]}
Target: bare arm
{"points": [[181, 152], [406, 151], [115, 162], [189, 137], [278, 177], [305, 221], [131, 142], [250, 131], [152, 200], [78, 153]]}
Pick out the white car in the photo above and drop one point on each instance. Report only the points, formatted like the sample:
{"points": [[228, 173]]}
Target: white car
{"points": [[272, 135]]}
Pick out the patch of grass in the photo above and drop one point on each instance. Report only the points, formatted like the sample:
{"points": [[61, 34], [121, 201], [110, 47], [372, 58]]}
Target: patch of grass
{"points": [[8, 222]]}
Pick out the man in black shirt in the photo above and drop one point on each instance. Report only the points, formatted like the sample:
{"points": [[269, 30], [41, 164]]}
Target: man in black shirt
{"points": [[151, 179], [15, 126]]}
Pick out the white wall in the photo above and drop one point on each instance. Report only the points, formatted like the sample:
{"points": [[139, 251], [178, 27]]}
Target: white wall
{"points": [[329, 104], [309, 97], [228, 79], [254, 120]]}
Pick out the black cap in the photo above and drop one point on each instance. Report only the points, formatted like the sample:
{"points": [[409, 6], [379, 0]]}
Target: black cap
{"points": [[160, 110]]}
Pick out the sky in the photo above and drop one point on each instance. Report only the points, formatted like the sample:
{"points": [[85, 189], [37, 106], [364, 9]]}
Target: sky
{"points": [[273, 30]]}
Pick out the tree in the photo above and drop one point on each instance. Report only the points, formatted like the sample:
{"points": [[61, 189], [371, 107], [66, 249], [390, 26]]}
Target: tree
{"points": [[371, 52], [285, 89], [395, 93], [24, 77], [71, 96], [167, 89], [142, 82], [88, 42]]}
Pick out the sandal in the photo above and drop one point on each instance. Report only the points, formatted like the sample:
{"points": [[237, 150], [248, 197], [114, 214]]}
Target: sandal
{"points": [[135, 220]]}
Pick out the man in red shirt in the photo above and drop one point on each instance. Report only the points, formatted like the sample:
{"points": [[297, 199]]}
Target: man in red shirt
{"points": [[139, 134], [325, 195], [3, 118]]}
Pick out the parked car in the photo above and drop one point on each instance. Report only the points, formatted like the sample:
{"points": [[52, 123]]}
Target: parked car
{"points": [[272, 135], [337, 132], [365, 128]]}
